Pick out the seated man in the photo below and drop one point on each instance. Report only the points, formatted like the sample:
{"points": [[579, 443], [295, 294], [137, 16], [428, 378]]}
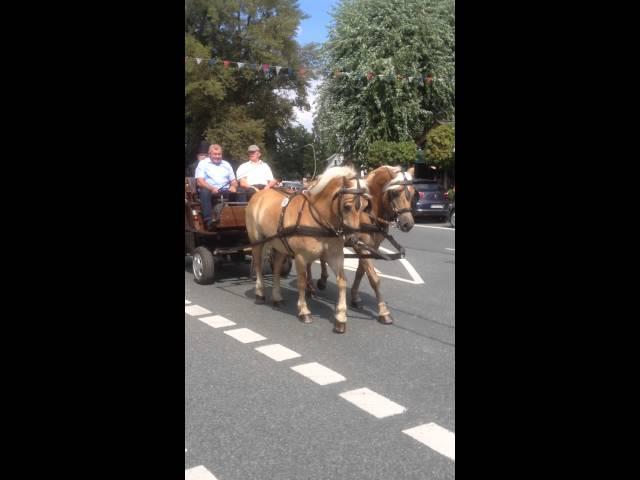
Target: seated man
{"points": [[255, 174], [215, 179]]}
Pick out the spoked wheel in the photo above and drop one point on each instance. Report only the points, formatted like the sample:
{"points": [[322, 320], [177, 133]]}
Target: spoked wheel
{"points": [[204, 269], [452, 219]]}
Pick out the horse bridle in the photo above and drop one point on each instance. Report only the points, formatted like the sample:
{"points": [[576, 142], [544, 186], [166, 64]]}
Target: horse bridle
{"points": [[358, 192], [405, 188]]}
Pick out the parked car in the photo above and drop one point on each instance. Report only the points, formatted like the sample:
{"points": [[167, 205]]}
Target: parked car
{"points": [[430, 200], [293, 185], [452, 215]]}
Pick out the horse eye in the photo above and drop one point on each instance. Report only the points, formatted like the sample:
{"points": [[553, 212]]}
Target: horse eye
{"points": [[347, 208]]}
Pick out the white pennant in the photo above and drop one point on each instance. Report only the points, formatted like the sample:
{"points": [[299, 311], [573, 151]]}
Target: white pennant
{"points": [[198, 60], [240, 65], [278, 70]]}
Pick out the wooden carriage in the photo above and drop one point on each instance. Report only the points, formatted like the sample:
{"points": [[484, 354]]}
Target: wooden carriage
{"points": [[227, 241]]}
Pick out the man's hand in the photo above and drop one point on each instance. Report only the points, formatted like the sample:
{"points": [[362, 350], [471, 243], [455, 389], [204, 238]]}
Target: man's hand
{"points": [[232, 189], [214, 190]]}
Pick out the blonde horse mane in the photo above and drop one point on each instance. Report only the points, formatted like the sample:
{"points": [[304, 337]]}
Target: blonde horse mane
{"points": [[328, 175], [397, 179]]}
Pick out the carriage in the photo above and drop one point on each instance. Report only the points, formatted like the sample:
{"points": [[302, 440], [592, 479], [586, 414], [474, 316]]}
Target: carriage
{"points": [[326, 218], [226, 242]]}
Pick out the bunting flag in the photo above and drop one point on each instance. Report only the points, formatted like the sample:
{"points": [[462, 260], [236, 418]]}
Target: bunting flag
{"points": [[421, 79]]}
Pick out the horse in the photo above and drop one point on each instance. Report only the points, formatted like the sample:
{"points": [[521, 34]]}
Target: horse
{"points": [[307, 225], [391, 193]]}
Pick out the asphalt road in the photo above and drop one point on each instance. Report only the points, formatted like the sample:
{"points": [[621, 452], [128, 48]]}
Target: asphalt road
{"points": [[248, 416]]}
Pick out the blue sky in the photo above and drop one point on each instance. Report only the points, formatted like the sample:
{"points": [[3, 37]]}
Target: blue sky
{"points": [[315, 29]]}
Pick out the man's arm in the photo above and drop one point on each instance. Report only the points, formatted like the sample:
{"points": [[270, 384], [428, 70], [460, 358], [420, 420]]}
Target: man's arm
{"points": [[202, 184], [271, 182]]}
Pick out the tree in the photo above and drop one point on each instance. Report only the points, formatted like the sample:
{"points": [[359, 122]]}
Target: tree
{"points": [[439, 146], [236, 106], [390, 153], [393, 73]]}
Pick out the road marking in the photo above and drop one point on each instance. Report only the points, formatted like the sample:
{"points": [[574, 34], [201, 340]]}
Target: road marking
{"points": [[198, 473], [452, 249], [318, 373], [245, 335], [416, 279], [435, 437], [217, 321], [195, 310], [186, 302], [277, 352], [373, 403], [439, 228]]}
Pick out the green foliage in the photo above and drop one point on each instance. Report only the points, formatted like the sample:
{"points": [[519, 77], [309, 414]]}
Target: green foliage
{"points": [[390, 153], [235, 107], [406, 38], [292, 159], [439, 146]]}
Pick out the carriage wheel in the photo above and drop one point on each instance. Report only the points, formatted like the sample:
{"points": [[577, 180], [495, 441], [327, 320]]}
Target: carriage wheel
{"points": [[452, 219], [204, 269]]}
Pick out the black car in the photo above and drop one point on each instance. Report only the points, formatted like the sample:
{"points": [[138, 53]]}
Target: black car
{"points": [[293, 185], [452, 215], [430, 200]]}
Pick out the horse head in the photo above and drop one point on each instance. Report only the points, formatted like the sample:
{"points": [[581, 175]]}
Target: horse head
{"points": [[348, 197], [395, 191]]}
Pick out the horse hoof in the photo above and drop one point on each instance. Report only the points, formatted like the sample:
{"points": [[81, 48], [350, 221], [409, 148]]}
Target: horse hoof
{"points": [[385, 319], [322, 284], [278, 303], [339, 327], [305, 318], [308, 293], [260, 299], [356, 303]]}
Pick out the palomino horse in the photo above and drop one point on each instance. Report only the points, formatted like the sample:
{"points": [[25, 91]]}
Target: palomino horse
{"points": [[391, 194], [308, 225]]}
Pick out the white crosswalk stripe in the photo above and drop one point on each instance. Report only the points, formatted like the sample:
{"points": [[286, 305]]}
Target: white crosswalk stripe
{"points": [[217, 321], [373, 403], [435, 437], [198, 473], [318, 373], [245, 335], [277, 352], [195, 310]]}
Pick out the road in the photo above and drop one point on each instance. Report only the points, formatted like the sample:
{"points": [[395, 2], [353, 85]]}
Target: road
{"points": [[375, 403]]}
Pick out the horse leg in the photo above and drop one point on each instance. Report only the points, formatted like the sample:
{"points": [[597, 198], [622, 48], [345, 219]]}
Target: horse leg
{"points": [[384, 316], [278, 260], [301, 270], [337, 265], [309, 289], [256, 254], [322, 281], [356, 301]]}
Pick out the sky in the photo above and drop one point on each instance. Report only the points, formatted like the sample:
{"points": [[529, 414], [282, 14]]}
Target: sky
{"points": [[313, 29]]}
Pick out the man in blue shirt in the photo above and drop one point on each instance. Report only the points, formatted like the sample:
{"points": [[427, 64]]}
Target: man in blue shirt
{"points": [[215, 179]]}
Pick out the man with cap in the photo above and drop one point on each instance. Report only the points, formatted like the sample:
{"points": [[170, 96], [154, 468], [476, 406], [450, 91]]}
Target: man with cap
{"points": [[215, 180], [255, 174], [202, 152]]}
